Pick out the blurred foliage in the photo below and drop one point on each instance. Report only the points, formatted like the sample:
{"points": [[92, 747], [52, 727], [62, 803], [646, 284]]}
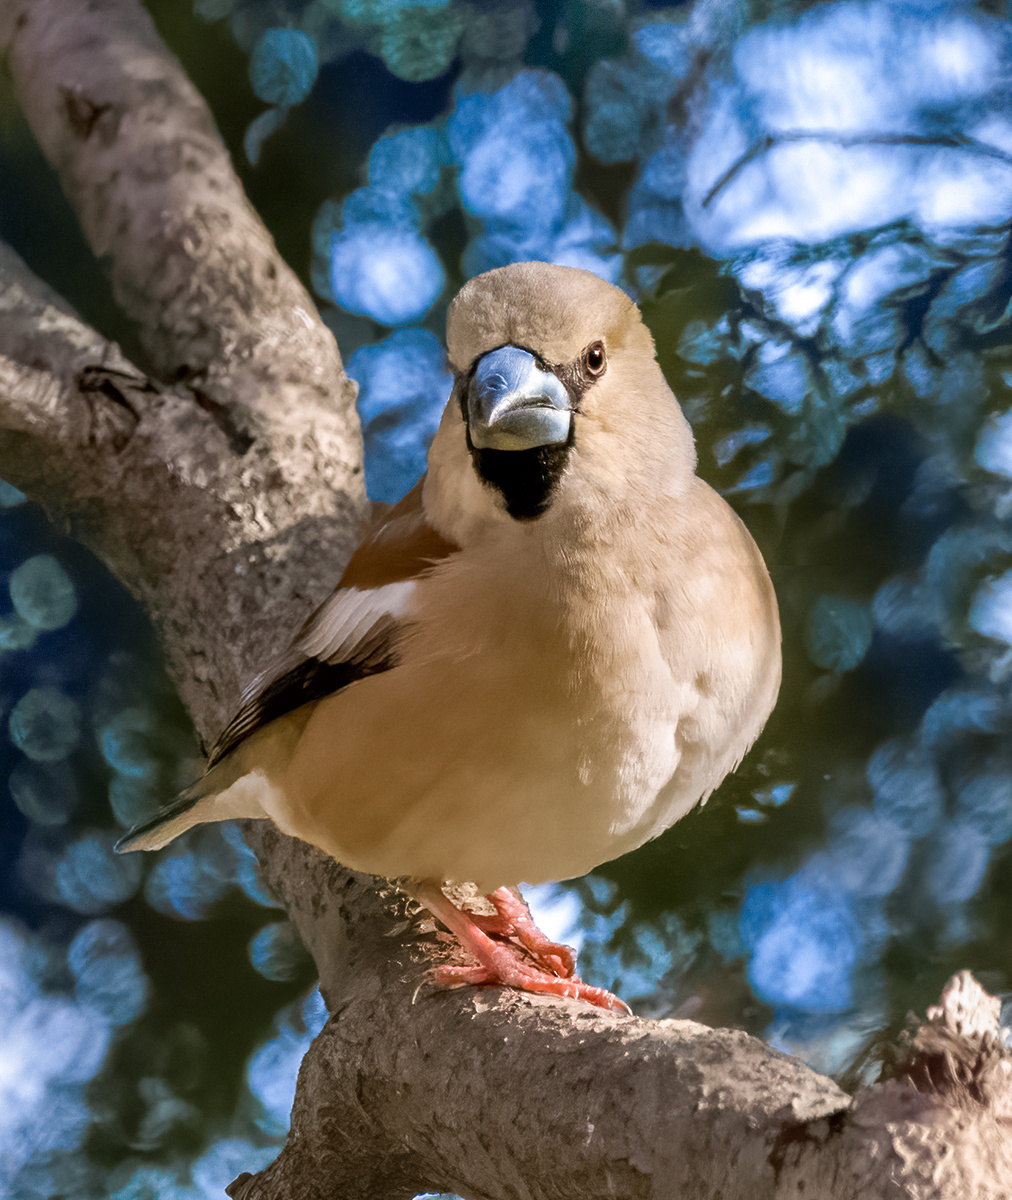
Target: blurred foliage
{"points": [[810, 203]]}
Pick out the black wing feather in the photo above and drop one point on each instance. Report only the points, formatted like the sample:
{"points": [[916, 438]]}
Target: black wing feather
{"points": [[308, 680], [401, 548]]}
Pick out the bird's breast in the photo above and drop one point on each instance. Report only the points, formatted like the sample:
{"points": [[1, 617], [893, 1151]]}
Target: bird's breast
{"points": [[544, 717]]}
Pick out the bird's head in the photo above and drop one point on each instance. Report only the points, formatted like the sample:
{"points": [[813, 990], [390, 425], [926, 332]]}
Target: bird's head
{"points": [[557, 399]]}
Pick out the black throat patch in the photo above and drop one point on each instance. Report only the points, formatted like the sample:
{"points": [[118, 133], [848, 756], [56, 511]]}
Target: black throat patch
{"points": [[526, 479]]}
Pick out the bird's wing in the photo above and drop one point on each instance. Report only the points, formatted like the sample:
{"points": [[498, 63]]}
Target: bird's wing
{"points": [[354, 632]]}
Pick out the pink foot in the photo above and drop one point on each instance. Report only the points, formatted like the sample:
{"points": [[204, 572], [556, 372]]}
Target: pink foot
{"points": [[516, 917], [523, 959], [530, 980]]}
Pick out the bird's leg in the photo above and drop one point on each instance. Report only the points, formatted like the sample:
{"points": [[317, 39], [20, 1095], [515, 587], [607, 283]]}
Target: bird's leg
{"points": [[504, 962]]}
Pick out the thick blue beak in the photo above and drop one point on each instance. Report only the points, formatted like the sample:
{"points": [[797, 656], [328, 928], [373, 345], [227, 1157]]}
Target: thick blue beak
{"points": [[513, 405]]}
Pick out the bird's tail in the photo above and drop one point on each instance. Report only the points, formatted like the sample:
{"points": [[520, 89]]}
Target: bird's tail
{"points": [[240, 785], [168, 823], [222, 794]]}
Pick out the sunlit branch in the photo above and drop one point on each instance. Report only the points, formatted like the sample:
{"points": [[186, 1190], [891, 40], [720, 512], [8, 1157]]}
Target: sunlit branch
{"points": [[63, 387], [153, 187]]}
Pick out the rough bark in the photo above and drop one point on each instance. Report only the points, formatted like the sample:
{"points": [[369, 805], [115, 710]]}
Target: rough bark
{"points": [[256, 450], [223, 485]]}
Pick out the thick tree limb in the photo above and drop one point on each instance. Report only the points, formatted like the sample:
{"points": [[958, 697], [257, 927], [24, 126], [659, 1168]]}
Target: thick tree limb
{"points": [[228, 501], [499, 1096], [51, 361], [110, 453], [142, 165], [491, 1094], [268, 427]]}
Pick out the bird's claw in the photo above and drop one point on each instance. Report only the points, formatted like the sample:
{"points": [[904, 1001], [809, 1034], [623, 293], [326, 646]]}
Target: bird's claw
{"points": [[528, 979], [511, 950], [553, 957], [514, 921]]}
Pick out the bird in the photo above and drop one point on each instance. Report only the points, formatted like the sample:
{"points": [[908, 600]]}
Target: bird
{"points": [[552, 648]]}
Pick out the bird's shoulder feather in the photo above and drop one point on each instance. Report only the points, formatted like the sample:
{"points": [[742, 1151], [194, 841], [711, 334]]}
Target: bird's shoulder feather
{"points": [[354, 632]]}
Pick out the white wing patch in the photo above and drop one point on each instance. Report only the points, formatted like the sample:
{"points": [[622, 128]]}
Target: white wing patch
{"points": [[354, 622]]}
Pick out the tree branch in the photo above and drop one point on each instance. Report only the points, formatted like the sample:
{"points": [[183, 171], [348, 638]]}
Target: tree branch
{"points": [[228, 502], [110, 452], [264, 455], [48, 353], [494, 1094], [142, 165]]}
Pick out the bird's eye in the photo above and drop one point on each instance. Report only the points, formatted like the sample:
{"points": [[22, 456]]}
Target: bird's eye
{"points": [[595, 359]]}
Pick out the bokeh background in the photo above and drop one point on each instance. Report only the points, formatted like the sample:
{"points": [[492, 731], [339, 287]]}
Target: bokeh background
{"points": [[812, 203]]}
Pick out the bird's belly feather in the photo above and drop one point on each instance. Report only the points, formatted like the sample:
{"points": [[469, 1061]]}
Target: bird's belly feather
{"points": [[528, 772]]}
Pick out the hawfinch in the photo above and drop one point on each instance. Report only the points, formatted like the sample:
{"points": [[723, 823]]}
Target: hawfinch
{"points": [[558, 642]]}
